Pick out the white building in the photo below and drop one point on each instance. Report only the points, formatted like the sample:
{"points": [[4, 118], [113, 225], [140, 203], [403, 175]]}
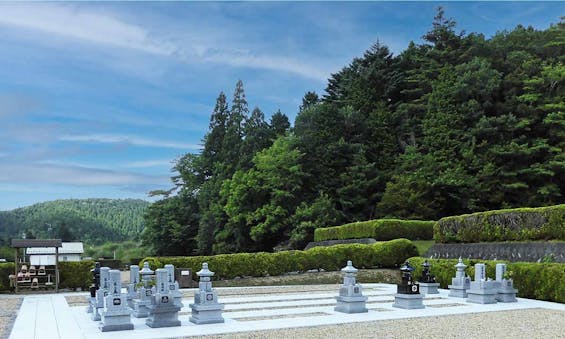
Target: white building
{"points": [[43, 256]]}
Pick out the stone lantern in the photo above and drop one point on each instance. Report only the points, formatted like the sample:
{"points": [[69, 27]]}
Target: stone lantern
{"points": [[427, 283], [206, 309], [350, 299], [140, 306], [461, 283]]}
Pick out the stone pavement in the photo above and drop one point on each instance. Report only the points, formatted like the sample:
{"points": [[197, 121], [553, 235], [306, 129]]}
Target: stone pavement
{"points": [[49, 316]]}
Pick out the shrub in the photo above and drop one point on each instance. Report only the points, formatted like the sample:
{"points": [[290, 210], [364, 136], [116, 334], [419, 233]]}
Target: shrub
{"points": [[5, 270], [75, 274], [520, 224], [331, 258], [542, 281], [381, 229]]}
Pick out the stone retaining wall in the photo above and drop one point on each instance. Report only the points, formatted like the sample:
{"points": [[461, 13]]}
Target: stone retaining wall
{"points": [[364, 241], [511, 251]]}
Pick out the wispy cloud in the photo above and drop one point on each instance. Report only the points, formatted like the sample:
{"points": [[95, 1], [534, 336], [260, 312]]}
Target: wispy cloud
{"points": [[127, 139], [149, 163]]}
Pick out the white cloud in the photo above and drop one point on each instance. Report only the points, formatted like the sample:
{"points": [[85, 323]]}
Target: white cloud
{"points": [[149, 163], [127, 139]]}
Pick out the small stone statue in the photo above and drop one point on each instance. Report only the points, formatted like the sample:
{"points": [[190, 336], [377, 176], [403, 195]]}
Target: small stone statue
{"points": [[350, 299]]}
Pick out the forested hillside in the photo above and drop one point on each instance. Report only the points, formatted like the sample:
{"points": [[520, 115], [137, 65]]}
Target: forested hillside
{"points": [[459, 123], [90, 220]]}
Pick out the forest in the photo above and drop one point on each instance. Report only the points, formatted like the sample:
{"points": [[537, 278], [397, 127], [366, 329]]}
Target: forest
{"points": [[458, 123], [93, 221]]}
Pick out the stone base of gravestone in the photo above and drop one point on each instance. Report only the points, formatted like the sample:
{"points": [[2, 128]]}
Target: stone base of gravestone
{"points": [[163, 315], [95, 316], [408, 301], [506, 292], [482, 296], [457, 291], [429, 288], [206, 313], [116, 321], [141, 308], [351, 304], [90, 307]]}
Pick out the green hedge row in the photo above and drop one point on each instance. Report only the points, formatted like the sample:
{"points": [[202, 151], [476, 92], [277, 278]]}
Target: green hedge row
{"points": [[520, 224], [331, 258], [542, 281], [380, 229], [5, 270]]}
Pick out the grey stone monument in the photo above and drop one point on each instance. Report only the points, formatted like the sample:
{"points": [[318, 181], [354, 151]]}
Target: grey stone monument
{"points": [[351, 298], [133, 291], [206, 309], [408, 291], [506, 291], [428, 284], [173, 285], [483, 290], [140, 306], [101, 293], [116, 315], [93, 287], [163, 312], [461, 283]]}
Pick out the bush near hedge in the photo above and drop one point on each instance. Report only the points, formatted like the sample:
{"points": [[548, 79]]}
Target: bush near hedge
{"points": [[331, 258], [5, 270], [542, 281], [380, 229], [520, 224], [75, 274]]}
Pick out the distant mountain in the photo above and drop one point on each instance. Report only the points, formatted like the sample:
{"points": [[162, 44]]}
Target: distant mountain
{"points": [[93, 221]]}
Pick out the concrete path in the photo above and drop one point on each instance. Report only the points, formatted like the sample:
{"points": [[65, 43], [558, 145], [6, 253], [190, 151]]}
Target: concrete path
{"points": [[49, 316]]}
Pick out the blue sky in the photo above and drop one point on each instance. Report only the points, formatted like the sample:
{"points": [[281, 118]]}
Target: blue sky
{"points": [[97, 99]]}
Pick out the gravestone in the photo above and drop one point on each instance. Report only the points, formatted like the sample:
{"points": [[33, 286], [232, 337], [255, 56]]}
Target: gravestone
{"points": [[505, 286], [350, 299], [173, 285], [206, 309], [427, 283], [163, 310], [408, 291], [133, 291], [101, 293], [461, 283], [482, 290], [93, 287], [116, 315], [141, 305]]}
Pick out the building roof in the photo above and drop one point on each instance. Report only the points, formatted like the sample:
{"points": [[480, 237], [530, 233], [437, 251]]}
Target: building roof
{"points": [[66, 248], [30, 243]]}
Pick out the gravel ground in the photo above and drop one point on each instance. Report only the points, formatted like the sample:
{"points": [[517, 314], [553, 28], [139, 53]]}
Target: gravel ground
{"points": [[532, 323], [9, 306]]}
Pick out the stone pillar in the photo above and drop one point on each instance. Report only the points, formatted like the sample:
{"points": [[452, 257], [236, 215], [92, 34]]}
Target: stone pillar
{"points": [[483, 290], [132, 287], [461, 283], [116, 313], [408, 291], [350, 299], [206, 309], [140, 306], [163, 310], [173, 285]]}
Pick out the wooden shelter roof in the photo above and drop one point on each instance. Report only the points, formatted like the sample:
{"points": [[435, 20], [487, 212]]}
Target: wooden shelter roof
{"points": [[27, 243]]}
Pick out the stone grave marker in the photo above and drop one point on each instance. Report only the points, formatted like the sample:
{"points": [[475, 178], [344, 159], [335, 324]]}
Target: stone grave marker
{"points": [[482, 290], [163, 310], [133, 292], [350, 299], [101, 293], [427, 283], [408, 291], [206, 309], [505, 286], [173, 285], [116, 315]]}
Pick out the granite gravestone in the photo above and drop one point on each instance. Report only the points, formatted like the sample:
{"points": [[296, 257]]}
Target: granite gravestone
{"points": [[133, 292], [93, 287], [461, 283], [163, 310], [350, 299], [427, 283], [504, 285], [141, 305], [408, 292], [206, 309], [101, 293], [173, 285], [116, 315], [482, 290]]}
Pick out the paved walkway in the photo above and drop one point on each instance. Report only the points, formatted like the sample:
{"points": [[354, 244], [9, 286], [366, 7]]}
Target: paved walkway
{"points": [[49, 316]]}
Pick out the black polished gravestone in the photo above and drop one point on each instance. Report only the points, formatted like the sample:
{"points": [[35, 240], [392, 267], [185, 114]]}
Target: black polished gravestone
{"points": [[427, 282], [408, 291], [93, 287]]}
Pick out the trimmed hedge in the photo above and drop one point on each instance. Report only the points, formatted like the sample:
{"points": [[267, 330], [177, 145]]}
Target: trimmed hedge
{"points": [[332, 258], [75, 274], [520, 224], [5, 270], [380, 229], [542, 281]]}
